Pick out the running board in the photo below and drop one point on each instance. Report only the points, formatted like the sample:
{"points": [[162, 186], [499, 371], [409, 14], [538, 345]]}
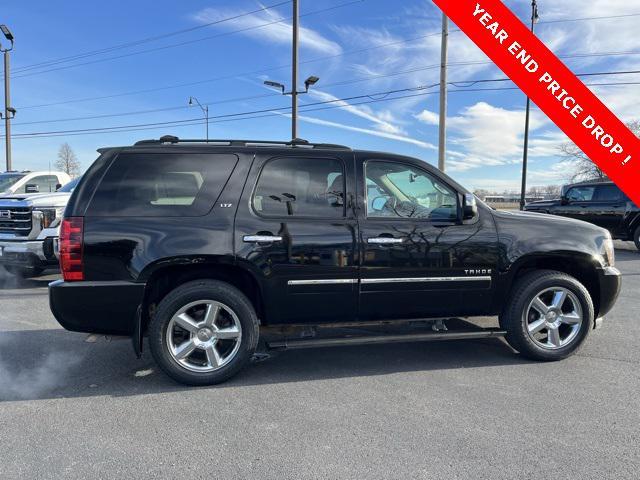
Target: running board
{"points": [[295, 344]]}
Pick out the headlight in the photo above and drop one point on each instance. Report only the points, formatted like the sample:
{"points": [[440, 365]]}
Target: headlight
{"points": [[608, 253], [51, 217]]}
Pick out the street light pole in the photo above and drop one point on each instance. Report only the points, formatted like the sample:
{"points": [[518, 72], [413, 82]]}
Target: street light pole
{"points": [[205, 110], [309, 82], [525, 155], [9, 112], [294, 70]]}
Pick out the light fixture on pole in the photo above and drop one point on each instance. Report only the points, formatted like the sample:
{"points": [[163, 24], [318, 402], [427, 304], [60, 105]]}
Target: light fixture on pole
{"points": [[309, 82], [9, 112], [205, 110], [523, 192]]}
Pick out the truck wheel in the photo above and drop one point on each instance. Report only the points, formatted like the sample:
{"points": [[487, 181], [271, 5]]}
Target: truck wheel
{"points": [[636, 238], [549, 315], [24, 272], [203, 332]]}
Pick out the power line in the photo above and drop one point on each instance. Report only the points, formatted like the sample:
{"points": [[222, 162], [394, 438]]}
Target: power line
{"points": [[144, 40], [461, 84], [350, 52], [370, 99], [187, 42], [150, 39]]}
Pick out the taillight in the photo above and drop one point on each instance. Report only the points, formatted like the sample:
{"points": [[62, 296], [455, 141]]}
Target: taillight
{"points": [[71, 239]]}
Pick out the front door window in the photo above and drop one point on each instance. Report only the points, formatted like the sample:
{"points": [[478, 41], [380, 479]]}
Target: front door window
{"points": [[396, 190]]}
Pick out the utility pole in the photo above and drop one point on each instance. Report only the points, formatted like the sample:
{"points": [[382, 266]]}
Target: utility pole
{"points": [[9, 112], [442, 144], [294, 74], [525, 155]]}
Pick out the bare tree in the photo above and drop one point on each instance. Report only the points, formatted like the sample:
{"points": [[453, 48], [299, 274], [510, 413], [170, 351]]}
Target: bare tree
{"points": [[67, 160], [584, 168], [552, 191]]}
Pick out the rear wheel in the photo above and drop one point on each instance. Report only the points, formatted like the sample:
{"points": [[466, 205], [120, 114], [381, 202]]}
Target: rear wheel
{"points": [[636, 238], [24, 272], [549, 315], [203, 332]]}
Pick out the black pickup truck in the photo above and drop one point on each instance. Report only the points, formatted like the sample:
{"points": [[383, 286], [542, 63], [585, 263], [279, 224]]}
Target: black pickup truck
{"points": [[600, 203], [209, 247]]}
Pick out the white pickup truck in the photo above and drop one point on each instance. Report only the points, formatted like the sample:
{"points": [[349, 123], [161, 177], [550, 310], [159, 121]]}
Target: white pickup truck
{"points": [[29, 230], [32, 182]]}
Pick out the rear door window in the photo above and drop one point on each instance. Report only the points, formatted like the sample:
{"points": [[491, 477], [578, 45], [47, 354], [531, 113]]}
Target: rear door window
{"points": [[300, 187], [162, 184], [607, 193]]}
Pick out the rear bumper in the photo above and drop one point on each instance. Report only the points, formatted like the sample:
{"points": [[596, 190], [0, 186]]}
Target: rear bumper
{"points": [[96, 307], [32, 253], [610, 280]]}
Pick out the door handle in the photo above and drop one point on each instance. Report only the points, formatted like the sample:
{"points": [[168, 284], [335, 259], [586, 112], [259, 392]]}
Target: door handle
{"points": [[261, 238], [384, 240]]}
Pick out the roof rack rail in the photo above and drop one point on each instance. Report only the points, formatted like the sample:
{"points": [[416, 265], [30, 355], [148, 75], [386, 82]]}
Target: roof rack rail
{"points": [[298, 142]]}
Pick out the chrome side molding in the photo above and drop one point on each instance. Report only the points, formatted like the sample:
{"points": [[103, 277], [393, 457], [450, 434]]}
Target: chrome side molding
{"points": [[336, 281], [426, 279]]}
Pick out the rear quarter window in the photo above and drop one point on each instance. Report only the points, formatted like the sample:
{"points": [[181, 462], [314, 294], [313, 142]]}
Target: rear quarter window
{"points": [[162, 185]]}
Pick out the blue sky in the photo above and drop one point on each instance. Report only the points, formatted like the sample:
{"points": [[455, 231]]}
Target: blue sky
{"points": [[357, 49]]}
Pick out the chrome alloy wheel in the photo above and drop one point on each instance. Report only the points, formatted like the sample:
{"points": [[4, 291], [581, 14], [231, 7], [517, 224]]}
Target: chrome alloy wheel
{"points": [[204, 336], [553, 318]]}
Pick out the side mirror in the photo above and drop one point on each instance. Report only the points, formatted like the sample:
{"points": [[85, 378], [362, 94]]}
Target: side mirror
{"points": [[378, 204], [58, 186], [564, 201], [469, 207], [31, 188]]}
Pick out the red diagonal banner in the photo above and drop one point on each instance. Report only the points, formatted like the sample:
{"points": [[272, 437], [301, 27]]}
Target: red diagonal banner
{"points": [[552, 86]]}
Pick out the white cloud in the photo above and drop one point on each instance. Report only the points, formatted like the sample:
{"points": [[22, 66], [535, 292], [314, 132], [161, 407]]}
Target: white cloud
{"points": [[278, 32], [428, 117], [383, 121], [367, 131]]}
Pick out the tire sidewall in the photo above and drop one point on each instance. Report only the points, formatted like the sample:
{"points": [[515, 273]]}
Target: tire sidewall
{"points": [[523, 341], [636, 238], [195, 291]]}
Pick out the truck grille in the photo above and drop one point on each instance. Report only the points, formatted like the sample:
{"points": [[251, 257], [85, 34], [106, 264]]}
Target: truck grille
{"points": [[16, 220]]}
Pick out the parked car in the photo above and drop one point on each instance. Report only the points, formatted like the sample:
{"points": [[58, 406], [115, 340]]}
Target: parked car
{"points": [[32, 182], [209, 247], [29, 230], [600, 203]]}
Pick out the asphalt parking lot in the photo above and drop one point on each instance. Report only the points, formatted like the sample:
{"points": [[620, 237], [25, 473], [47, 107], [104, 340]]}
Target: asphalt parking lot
{"points": [[78, 406]]}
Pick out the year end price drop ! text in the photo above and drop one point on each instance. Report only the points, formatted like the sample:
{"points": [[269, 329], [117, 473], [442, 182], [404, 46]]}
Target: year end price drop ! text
{"points": [[551, 86]]}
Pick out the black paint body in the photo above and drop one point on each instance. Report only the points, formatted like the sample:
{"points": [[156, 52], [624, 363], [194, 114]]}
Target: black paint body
{"points": [[124, 256], [618, 215]]}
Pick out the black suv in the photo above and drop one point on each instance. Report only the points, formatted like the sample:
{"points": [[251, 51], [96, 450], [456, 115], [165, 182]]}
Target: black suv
{"points": [[209, 247], [600, 203]]}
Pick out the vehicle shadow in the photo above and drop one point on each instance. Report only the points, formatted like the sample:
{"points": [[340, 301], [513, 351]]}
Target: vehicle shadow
{"points": [[11, 282], [76, 365]]}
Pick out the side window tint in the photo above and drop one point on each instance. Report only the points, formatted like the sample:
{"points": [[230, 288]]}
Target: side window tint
{"points": [[608, 193], [300, 187], [162, 184], [400, 190], [45, 184], [581, 194]]}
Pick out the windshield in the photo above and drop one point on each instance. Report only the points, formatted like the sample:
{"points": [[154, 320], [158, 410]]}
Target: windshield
{"points": [[70, 186], [8, 179]]}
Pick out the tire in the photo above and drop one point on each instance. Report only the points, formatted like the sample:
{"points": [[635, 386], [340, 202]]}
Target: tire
{"points": [[211, 359], [24, 272], [556, 334], [636, 238]]}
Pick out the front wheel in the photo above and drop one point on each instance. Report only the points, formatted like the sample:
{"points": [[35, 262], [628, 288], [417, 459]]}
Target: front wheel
{"points": [[549, 315], [203, 332]]}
